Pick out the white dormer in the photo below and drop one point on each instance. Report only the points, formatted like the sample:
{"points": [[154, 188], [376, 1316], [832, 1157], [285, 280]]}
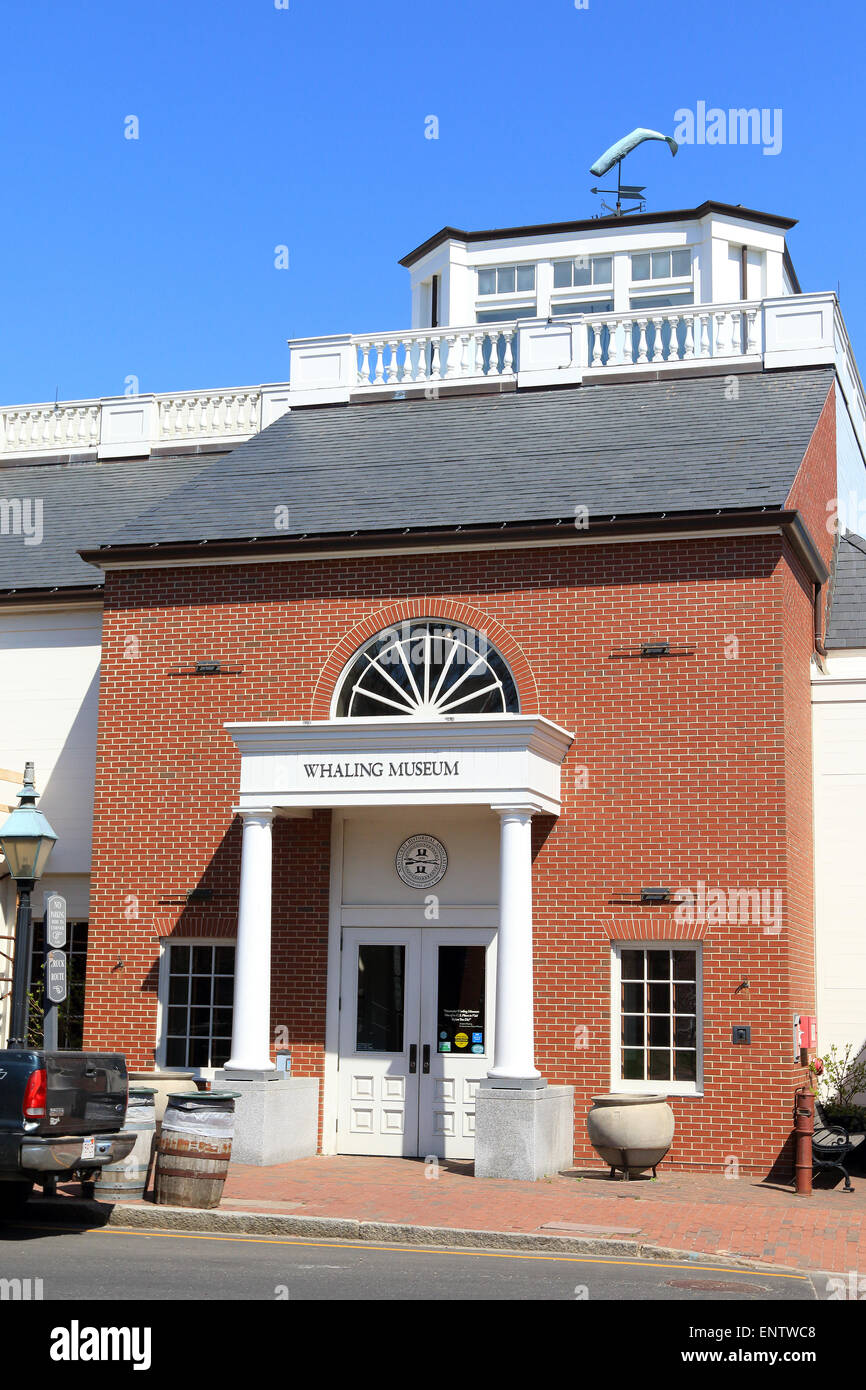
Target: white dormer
{"points": [[712, 254]]}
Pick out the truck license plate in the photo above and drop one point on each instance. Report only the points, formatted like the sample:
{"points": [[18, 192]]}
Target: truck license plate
{"points": [[88, 1148]]}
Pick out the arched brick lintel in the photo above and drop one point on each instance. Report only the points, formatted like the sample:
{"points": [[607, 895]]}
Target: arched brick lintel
{"points": [[450, 612], [665, 928]]}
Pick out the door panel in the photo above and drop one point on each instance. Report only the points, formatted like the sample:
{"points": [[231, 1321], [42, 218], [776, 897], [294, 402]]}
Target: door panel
{"points": [[458, 971], [380, 992], [414, 1004]]}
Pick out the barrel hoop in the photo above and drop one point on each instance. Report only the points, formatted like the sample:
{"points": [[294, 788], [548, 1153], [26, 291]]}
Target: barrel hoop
{"points": [[166, 1147], [189, 1173]]}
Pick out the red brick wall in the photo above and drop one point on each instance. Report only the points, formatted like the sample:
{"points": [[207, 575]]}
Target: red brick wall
{"points": [[695, 770]]}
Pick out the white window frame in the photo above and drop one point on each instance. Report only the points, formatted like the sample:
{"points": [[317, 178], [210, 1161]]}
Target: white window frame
{"points": [[669, 284], [409, 630], [505, 295], [592, 289], [670, 1088], [165, 945]]}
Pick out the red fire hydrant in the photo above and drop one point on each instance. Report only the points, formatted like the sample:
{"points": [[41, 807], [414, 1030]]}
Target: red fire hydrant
{"points": [[804, 1128]]}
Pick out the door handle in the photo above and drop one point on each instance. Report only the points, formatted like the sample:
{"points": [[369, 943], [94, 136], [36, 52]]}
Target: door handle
{"points": [[413, 1057], [425, 1059]]}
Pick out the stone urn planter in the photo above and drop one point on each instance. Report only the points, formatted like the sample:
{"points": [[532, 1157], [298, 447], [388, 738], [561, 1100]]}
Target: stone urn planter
{"points": [[632, 1133]]}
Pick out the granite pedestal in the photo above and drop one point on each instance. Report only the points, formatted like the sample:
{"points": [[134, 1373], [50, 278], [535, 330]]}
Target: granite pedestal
{"points": [[276, 1116], [524, 1133]]}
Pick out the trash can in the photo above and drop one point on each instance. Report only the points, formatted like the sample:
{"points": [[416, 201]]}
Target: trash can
{"points": [[127, 1180], [195, 1146]]}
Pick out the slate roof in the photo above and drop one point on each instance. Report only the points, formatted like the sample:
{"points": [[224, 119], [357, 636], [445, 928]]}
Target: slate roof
{"points": [[635, 449], [82, 504], [847, 619]]}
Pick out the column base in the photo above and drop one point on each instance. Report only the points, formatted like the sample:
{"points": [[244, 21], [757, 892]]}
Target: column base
{"points": [[514, 1083], [523, 1134], [276, 1116]]}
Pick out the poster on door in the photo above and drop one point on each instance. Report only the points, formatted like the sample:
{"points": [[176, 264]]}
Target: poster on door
{"points": [[460, 1011]]}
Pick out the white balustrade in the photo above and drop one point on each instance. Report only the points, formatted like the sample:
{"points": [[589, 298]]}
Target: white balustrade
{"points": [[421, 355], [338, 367], [684, 334], [71, 427]]}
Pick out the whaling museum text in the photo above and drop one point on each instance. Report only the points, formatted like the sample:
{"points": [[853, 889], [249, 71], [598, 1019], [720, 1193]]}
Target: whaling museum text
{"points": [[430, 768]]}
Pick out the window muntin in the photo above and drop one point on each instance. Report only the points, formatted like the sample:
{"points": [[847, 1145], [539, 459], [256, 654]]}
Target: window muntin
{"points": [[506, 279], [657, 1018], [426, 669], [583, 272], [198, 1009]]}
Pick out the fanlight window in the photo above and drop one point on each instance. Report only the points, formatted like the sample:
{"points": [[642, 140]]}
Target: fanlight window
{"points": [[426, 670]]}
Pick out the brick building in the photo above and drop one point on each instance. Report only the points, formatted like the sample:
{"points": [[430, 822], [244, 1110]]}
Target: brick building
{"points": [[454, 730]]}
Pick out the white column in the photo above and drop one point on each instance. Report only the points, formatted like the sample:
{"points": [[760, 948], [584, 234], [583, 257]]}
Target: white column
{"points": [[252, 1007], [514, 1043]]}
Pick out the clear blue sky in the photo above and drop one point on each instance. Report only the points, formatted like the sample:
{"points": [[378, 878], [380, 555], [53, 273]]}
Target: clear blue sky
{"points": [[305, 127]]}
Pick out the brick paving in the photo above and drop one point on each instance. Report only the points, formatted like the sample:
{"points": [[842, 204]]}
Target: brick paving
{"points": [[704, 1213]]}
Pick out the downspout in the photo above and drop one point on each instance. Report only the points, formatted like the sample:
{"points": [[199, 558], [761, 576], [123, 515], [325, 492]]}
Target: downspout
{"points": [[818, 638]]}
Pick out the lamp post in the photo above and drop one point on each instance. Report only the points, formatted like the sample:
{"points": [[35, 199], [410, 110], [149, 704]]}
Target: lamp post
{"points": [[26, 840]]}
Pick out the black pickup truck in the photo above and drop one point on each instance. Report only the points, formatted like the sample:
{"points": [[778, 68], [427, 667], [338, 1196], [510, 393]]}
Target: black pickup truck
{"points": [[61, 1117]]}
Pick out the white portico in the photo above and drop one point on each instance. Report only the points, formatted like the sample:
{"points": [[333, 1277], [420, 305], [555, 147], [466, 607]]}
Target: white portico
{"points": [[378, 767]]}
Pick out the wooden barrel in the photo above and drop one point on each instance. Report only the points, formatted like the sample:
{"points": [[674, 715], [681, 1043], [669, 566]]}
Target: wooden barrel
{"points": [[195, 1146], [127, 1180]]}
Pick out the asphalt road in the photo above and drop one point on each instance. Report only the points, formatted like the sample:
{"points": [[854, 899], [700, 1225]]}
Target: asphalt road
{"points": [[112, 1263]]}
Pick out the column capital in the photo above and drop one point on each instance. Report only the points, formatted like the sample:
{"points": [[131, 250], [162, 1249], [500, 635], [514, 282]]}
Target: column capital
{"points": [[518, 810], [256, 813]]}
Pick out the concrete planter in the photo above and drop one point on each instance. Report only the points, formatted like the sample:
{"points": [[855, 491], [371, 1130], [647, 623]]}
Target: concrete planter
{"points": [[630, 1132]]}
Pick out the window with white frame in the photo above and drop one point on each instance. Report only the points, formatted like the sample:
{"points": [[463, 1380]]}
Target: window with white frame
{"points": [[513, 286], [661, 265], [583, 272], [506, 279], [661, 279], [426, 669], [657, 1017], [197, 991]]}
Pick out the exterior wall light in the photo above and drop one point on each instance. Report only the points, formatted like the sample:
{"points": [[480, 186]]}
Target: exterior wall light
{"points": [[655, 895], [655, 648]]}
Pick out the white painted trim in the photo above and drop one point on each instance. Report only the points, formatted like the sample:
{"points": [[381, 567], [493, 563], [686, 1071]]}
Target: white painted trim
{"points": [[331, 1084], [671, 1088], [461, 546], [509, 759], [405, 915]]}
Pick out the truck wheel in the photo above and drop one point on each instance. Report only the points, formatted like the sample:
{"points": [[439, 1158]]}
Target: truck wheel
{"points": [[13, 1198]]}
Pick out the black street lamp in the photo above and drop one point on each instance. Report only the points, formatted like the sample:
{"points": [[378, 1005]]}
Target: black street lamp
{"points": [[26, 840]]}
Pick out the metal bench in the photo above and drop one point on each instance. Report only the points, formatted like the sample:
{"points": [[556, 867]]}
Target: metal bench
{"points": [[832, 1145]]}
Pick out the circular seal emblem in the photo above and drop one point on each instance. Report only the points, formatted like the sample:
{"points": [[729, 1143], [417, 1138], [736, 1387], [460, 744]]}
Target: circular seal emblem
{"points": [[421, 861]]}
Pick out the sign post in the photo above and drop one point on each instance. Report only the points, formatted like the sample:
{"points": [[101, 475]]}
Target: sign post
{"points": [[54, 967]]}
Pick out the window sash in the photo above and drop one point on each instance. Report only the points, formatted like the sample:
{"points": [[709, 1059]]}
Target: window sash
{"points": [[195, 1019], [498, 281], [649, 1026]]}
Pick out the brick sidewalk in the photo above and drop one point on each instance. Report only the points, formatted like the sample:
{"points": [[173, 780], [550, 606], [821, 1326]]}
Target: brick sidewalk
{"points": [[704, 1213]]}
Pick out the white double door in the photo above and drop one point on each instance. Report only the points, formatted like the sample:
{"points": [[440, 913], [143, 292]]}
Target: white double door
{"points": [[416, 1038]]}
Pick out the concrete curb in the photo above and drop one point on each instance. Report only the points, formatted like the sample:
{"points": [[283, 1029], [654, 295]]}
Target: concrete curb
{"points": [[147, 1217]]}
